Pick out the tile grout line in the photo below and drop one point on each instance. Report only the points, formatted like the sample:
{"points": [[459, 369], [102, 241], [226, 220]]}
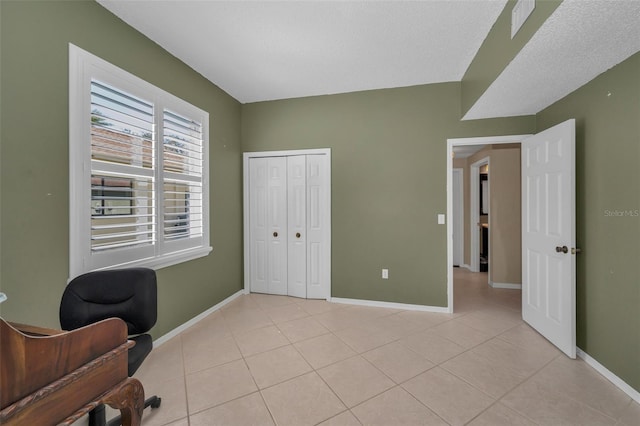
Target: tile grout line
{"points": [[522, 384], [258, 307]]}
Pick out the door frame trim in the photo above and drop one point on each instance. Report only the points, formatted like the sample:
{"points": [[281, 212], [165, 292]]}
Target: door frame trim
{"points": [[451, 142], [245, 208]]}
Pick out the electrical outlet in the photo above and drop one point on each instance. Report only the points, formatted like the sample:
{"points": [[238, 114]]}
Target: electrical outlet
{"points": [[385, 274]]}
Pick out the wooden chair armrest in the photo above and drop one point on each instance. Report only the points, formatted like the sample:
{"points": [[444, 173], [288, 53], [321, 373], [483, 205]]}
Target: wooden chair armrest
{"points": [[33, 330]]}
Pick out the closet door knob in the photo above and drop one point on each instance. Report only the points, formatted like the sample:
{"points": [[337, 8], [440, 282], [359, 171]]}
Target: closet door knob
{"points": [[275, 234], [297, 235]]}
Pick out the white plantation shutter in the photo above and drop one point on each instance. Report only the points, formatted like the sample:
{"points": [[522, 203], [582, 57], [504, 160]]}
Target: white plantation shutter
{"points": [[182, 160], [122, 151], [138, 171]]}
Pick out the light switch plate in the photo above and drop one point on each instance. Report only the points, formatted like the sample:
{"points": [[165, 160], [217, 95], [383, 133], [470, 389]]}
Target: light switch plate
{"points": [[441, 219]]}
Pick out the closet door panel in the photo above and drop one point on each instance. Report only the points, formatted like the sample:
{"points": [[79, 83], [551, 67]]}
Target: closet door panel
{"points": [[288, 224], [258, 224], [277, 225], [318, 254], [297, 203]]}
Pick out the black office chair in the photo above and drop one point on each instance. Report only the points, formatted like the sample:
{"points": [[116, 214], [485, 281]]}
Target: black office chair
{"points": [[128, 294]]}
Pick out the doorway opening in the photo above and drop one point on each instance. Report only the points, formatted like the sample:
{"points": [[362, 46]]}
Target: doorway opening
{"points": [[479, 215], [474, 224], [547, 229], [458, 216]]}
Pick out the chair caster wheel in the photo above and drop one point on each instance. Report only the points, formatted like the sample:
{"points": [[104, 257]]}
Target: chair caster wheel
{"points": [[156, 403]]}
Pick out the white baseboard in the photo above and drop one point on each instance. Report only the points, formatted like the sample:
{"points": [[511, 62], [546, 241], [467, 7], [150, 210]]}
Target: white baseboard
{"points": [[624, 387], [377, 304], [162, 339], [465, 266], [506, 285]]}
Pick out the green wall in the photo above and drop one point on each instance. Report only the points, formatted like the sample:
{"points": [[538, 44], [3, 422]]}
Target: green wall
{"points": [[499, 49], [34, 159], [607, 113], [389, 158]]}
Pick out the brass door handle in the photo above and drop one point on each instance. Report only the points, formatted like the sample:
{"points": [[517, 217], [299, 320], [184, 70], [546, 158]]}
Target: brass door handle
{"points": [[275, 234], [297, 235], [563, 249]]}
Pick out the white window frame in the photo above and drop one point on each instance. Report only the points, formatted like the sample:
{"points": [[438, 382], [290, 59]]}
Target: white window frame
{"points": [[83, 67]]}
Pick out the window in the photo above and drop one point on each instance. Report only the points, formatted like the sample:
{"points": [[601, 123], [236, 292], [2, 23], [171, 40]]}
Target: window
{"points": [[111, 196], [138, 171]]}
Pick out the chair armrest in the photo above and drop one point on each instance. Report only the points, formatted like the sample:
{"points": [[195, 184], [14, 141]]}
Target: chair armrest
{"points": [[33, 330]]}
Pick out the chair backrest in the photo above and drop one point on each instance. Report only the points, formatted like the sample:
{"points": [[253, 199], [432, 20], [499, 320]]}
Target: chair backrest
{"points": [[128, 294]]}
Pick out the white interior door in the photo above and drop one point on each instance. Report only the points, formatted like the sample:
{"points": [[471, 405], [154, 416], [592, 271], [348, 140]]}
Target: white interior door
{"points": [[287, 222], [297, 223], [548, 235], [268, 224], [318, 227], [258, 224]]}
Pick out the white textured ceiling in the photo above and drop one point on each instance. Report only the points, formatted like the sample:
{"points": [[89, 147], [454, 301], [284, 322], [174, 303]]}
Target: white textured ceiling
{"points": [[582, 39], [268, 50]]}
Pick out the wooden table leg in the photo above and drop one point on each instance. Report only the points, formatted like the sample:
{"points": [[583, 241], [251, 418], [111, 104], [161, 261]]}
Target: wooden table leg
{"points": [[128, 397]]}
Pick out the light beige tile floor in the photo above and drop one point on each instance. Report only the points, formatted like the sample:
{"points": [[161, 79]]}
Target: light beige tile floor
{"points": [[273, 360]]}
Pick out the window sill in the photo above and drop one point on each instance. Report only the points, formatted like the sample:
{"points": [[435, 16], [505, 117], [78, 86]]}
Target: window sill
{"points": [[166, 260]]}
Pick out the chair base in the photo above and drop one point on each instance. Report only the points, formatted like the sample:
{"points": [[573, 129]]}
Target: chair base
{"points": [[98, 416]]}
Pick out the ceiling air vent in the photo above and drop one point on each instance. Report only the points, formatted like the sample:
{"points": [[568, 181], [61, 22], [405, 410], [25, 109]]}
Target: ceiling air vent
{"points": [[520, 13]]}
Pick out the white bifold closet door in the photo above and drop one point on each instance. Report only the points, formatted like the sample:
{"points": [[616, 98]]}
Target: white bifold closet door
{"points": [[288, 226]]}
